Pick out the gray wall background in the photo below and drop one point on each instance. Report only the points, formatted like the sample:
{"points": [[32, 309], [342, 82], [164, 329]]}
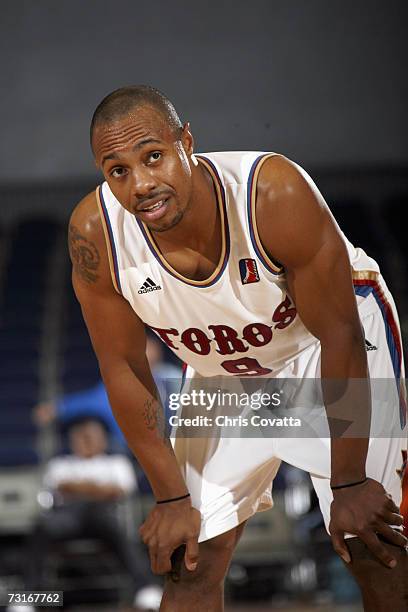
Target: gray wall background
{"points": [[323, 81]]}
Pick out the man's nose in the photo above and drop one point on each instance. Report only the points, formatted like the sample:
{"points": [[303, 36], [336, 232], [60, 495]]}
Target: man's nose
{"points": [[142, 182]]}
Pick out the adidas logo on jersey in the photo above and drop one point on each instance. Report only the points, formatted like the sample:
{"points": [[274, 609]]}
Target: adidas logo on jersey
{"points": [[369, 346], [149, 285]]}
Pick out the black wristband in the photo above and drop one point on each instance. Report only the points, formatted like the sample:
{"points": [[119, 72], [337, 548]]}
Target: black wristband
{"points": [[172, 499], [350, 484]]}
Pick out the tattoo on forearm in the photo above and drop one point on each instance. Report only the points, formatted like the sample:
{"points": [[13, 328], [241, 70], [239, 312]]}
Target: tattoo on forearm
{"points": [[153, 416], [84, 255]]}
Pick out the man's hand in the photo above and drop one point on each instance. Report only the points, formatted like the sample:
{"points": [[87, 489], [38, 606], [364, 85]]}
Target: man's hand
{"points": [[366, 511], [44, 413], [167, 527]]}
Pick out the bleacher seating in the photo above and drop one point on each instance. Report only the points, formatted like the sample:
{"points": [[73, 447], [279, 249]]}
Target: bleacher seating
{"points": [[22, 308], [79, 365]]}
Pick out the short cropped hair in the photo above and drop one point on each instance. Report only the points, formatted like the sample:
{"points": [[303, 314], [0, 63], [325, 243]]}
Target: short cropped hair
{"points": [[80, 422], [118, 103]]}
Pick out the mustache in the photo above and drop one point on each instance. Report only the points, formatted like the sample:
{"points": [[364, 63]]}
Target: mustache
{"points": [[156, 195]]}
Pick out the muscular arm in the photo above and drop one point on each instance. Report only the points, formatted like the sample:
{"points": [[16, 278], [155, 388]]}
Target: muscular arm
{"points": [[297, 228], [118, 338]]}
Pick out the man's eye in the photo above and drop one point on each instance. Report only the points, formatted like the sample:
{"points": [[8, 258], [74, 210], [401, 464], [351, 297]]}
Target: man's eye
{"points": [[117, 172], [156, 155]]}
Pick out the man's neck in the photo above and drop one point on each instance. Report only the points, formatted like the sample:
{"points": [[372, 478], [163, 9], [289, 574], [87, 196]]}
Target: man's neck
{"points": [[200, 218]]}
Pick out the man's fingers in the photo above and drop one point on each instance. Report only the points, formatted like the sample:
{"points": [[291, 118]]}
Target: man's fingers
{"points": [[176, 561], [392, 518], [145, 535], [162, 560], [164, 532], [191, 554], [159, 556], [148, 528], [391, 505], [392, 536], [146, 531], [377, 549], [152, 548], [340, 546]]}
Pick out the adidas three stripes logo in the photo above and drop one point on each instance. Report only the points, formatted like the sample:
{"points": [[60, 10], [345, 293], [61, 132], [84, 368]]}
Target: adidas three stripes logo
{"points": [[149, 285]]}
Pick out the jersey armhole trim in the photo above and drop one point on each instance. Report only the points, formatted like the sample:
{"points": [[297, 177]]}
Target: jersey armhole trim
{"points": [[270, 265], [110, 243], [368, 282]]}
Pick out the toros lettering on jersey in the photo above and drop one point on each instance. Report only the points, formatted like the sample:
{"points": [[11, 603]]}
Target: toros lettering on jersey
{"points": [[227, 340]]}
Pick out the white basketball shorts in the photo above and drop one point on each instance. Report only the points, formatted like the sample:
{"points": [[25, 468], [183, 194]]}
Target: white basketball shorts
{"points": [[231, 478]]}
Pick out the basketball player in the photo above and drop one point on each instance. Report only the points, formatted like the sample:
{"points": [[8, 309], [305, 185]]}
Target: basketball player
{"points": [[236, 263]]}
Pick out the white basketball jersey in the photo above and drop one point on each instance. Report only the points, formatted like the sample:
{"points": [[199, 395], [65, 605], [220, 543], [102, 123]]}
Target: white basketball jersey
{"points": [[241, 319]]}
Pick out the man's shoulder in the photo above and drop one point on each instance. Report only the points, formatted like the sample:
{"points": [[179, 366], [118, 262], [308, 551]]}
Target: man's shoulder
{"points": [[85, 217], [87, 246], [279, 175]]}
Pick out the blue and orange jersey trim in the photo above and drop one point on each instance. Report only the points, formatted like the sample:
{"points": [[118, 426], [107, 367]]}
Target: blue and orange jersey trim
{"points": [[269, 264], [110, 242], [367, 283], [225, 244]]}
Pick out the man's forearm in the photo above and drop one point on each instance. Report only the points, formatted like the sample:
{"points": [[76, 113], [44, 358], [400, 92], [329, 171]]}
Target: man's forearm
{"points": [[140, 415], [346, 393]]}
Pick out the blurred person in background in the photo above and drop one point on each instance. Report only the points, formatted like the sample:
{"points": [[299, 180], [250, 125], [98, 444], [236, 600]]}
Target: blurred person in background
{"points": [[95, 401], [92, 402], [86, 486]]}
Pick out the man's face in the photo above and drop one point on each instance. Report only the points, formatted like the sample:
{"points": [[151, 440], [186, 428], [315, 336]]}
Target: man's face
{"points": [[147, 166], [88, 439]]}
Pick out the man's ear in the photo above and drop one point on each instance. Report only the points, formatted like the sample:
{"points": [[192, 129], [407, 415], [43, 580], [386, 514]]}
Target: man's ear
{"points": [[187, 139]]}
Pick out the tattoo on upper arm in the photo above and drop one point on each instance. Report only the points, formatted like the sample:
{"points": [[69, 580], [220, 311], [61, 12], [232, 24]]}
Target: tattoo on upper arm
{"points": [[84, 255], [153, 415]]}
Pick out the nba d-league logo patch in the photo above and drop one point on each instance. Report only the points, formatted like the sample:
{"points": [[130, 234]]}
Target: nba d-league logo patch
{"points": [[248, 271]]}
